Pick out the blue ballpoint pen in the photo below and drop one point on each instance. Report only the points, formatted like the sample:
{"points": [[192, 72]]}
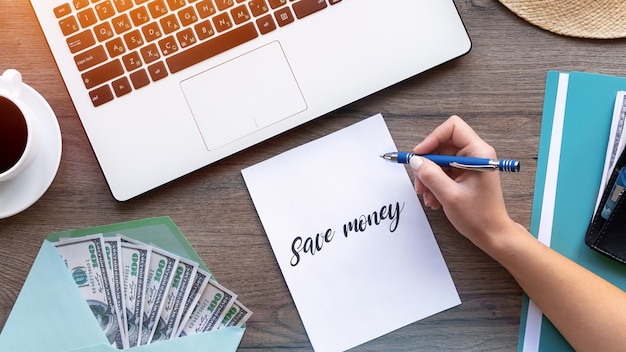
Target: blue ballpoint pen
{"points": [[459, 162]]}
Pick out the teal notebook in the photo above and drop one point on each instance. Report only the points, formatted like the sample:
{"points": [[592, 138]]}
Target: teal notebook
{"points": [[577, 115]]}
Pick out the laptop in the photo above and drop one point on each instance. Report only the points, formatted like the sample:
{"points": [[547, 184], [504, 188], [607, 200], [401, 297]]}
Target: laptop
{"points": [[165, 87]]}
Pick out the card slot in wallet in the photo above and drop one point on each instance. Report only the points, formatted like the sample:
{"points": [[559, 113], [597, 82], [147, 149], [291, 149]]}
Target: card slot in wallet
{"points": [[607, 231]]}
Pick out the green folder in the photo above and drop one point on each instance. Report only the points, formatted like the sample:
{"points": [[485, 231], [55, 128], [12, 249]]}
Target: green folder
{"points": [[577, 116]]}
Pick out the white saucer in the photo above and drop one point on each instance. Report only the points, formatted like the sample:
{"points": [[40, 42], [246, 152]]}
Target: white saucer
{"points": [[21, 192]]}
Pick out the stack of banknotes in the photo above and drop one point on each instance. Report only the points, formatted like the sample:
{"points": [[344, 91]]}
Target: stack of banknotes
{"points": [[141, 294]]}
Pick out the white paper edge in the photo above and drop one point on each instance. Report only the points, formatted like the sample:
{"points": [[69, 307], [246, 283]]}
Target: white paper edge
{"points": [[534, 316]]}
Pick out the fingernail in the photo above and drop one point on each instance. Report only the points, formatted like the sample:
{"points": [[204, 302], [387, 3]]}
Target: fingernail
{"points": [[416, 162]]}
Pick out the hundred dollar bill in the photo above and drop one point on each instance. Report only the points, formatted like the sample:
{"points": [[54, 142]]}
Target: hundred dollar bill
{"points": [[175, 300], [199, 284], [112, 249], [84, 257], [237, 315], [135, 259], [160, 275], [210, 310]]}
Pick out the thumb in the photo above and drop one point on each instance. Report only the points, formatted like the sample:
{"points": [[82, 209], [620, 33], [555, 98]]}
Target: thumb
{"points": [[430, 178]]}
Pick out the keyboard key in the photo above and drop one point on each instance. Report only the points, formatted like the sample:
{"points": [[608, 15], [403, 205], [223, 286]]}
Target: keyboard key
{"points": [[90, 58], [69, 25], [187, 16], [133, 39], [277, 3], [224, 4], [211, 47], [105, 10], [121, 24], [121, 86], [283, 16], [139, 16], [101, 95], [305, 8], [80, 41], [176, 4], [157, 8], [151, 31], [115, 47], [240, 14], [103, 31], [132, 61], [157, 71], [168, 45], [222, 22], [150, 53], [79, 4], [266, 24], [123, 5], [204, 30], [169, 24], [87, 18], [139, 79], [186, 38], [62, 10], [205, 8], [101, 74], [258, 7]]}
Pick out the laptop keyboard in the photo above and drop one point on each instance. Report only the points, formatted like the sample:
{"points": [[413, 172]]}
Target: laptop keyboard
{"points": [[123, 45]]}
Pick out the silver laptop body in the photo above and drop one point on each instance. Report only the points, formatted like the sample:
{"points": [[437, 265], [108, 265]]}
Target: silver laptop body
{"points": [[165, 87]]}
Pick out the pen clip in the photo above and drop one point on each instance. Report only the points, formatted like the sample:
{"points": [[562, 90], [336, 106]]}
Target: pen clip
{"points": [[474, 167]]}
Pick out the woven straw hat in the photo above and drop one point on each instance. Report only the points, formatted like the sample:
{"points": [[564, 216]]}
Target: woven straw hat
{"points": [[599, 19]]}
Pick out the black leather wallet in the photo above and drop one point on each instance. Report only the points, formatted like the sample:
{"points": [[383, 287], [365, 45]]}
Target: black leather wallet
{"points": [[607, 234]]}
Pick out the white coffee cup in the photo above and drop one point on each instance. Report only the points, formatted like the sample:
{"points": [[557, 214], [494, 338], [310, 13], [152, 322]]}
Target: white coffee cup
{"points": [[18, 131]]}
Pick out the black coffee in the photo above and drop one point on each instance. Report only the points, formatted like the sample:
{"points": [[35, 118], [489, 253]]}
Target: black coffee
{"points": [[13, 134]]}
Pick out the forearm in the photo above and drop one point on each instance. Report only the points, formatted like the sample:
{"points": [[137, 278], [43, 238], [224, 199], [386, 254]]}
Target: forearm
{"points": [[588, 311]]}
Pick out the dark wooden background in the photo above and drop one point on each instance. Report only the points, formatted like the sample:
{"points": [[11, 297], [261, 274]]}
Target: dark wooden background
{"points": [[498, 88]]}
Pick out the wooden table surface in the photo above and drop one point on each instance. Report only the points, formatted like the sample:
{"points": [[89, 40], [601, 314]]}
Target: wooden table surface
{"points": [[498, 88]]}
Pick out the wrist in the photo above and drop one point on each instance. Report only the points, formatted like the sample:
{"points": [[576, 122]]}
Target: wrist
{"points": [[504, 241]]}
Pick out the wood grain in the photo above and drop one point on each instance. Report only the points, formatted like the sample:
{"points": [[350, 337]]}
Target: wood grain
{"points": [[498, 88]]}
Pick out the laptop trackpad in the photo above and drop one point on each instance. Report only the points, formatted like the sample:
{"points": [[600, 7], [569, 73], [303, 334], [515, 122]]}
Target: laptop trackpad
{"points": [[240, 96]]}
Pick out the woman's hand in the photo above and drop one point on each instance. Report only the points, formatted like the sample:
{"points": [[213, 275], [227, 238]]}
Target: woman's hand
{"points": [[472, 200]]}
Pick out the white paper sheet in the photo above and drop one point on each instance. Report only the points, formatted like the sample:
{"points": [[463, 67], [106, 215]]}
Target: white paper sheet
{"points": [[350, 284]]}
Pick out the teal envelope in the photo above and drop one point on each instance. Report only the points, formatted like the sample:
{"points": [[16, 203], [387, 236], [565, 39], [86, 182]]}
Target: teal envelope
{"points": [[50, 314]]}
